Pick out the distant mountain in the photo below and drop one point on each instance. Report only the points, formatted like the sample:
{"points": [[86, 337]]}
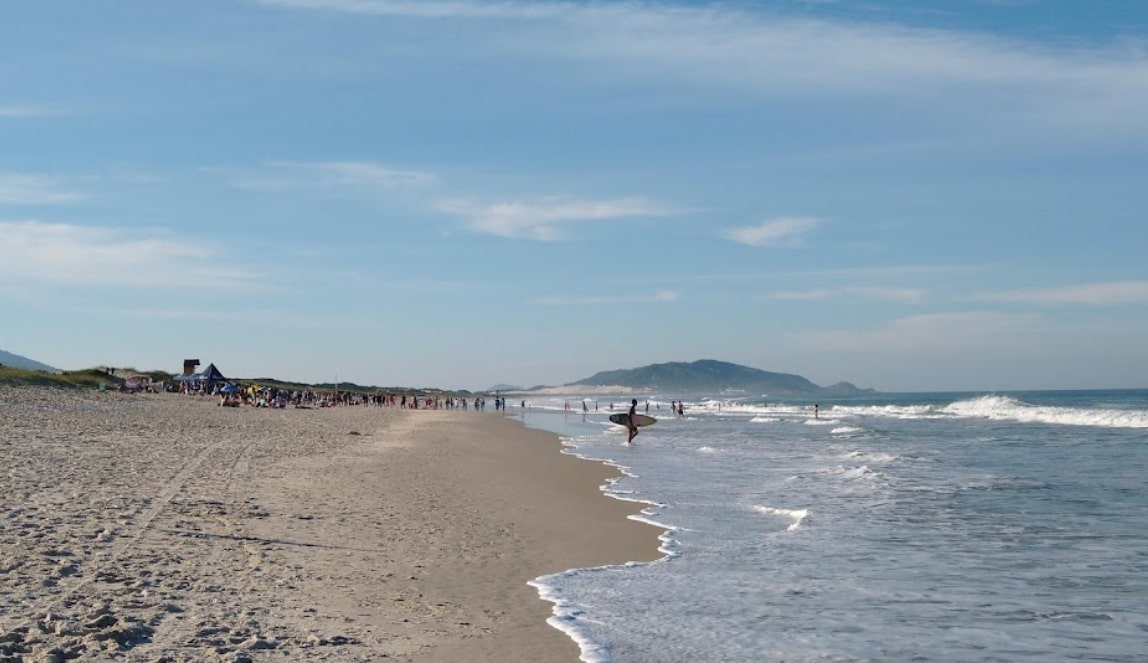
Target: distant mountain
{"points": [[711, 377], [16, 361], [503, 387]]}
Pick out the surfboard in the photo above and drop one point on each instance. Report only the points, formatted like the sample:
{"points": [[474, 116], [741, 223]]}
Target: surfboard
{"points": [[642, 420]]}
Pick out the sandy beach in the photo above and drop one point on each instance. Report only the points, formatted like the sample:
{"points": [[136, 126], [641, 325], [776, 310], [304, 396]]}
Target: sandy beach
{"points": [[166, 528]]}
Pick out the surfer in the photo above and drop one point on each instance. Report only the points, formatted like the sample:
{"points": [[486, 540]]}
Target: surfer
{"points": [[631, 422]]}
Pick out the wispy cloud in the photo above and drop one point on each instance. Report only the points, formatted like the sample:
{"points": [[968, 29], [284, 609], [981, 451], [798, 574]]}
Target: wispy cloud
{"points": [[433, 8], [784, 231], [902, 295], [543, 220], [26, 111], [24, 189], [940, 332], [765, 52], [661, 297], [182, 314], [280, 319], [37, 252], [323, 175], [1089, 294], [896, 271]]}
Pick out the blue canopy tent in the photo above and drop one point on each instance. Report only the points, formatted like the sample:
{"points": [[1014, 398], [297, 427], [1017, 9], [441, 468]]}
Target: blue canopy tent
{"points": [[208, 378]]}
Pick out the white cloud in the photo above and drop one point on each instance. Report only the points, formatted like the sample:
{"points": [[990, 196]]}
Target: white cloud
{"points": [[902, 295], [543, 220], [661, 297], [325, 175], [1089, 294], [23, 189], [36, 252], [934, 332], [784, 231]]}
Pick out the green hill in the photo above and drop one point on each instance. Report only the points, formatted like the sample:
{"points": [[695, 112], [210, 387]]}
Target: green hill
{"points": [[711, 377], [13, 360]]}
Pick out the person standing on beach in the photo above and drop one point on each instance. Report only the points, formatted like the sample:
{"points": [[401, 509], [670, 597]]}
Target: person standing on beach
{"points": [[631, 420]]}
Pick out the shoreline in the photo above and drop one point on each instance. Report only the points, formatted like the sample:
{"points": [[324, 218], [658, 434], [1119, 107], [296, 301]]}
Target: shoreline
{"points": [[163, 526], [568, 523]]}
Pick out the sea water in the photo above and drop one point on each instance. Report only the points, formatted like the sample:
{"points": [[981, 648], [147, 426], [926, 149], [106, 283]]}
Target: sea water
{"points": [[911, 527]]}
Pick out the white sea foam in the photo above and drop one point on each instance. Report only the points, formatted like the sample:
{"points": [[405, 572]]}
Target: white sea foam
{"points": [[567, 616], [780, 409], [764, 420], [894, 411], [796, 516], [871, 456], [848, 430], [854, 473], [708, 450]]}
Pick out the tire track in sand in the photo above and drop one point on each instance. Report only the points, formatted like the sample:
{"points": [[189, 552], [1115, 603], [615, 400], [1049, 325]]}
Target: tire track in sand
{"points": [[186, 631]]}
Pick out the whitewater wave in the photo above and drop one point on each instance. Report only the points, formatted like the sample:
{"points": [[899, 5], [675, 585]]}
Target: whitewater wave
{"points": [[1007, 408], [895, 411]]}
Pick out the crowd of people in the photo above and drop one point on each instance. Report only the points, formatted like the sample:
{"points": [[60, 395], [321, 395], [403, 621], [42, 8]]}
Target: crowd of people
{"points": [[254, 395]]}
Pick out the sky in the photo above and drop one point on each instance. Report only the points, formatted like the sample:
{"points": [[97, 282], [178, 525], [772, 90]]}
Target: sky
{"points": [[910, 195]]}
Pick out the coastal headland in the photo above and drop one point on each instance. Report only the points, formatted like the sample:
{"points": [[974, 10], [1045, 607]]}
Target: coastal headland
{"points": [[162, 527]]}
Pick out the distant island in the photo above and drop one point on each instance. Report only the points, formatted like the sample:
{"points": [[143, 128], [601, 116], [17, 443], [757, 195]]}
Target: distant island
{"points": [[505, 387], [710, 376]]}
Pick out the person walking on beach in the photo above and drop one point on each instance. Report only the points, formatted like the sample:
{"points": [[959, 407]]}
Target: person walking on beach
{"points": [[631, 420]]}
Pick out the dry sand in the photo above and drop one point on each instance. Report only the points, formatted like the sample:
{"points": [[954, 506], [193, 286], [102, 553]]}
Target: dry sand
{"points": [[165, 528]]}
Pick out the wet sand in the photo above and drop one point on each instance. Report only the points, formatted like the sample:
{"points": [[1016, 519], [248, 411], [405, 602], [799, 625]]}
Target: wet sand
{"points": [[166, 528]]}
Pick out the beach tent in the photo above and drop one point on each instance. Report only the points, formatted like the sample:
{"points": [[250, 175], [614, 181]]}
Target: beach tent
{"points": [[208, 378]]}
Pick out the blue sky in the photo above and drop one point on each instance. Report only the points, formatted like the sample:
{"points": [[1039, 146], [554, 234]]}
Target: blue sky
{"points": [[917, 195]]}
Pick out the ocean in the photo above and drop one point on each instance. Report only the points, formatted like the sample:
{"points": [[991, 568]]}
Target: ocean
{"points": [[892, 527]]}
